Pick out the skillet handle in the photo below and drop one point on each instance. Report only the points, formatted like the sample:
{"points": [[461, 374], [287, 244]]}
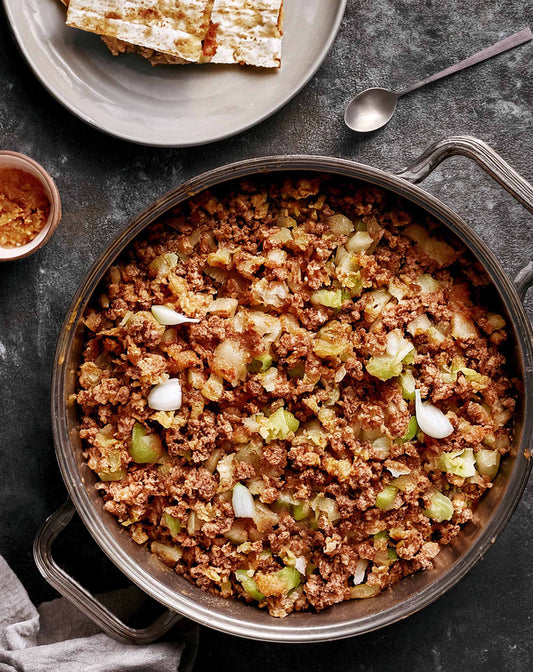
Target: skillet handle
{"points": [[82, 598], [482, 154], [524, 280]]}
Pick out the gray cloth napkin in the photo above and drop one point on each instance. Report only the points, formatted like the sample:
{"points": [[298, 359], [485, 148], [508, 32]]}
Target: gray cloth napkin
{"points": [[57, 637]]}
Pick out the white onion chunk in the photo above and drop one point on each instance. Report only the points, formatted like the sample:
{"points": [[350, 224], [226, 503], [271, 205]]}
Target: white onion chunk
{"points": [[169, 317], [242, 502], [165, 396], [431, 419]]}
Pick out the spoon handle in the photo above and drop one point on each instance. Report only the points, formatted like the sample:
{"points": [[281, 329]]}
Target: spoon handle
{"points": [[508, 43]]}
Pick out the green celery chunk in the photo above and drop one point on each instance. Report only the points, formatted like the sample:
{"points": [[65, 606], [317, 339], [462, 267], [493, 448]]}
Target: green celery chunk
{"points": [[282, 423], [173, 524], [383, 535], [301, 511], [143, 447], [327, 298], [111, 475], [385, 499], [384, 367], [408, 383], [412, 429], [249, 585], [488, 462], [441, 507], [458, 463], [260, 364], [290, 576], [362, 591]]}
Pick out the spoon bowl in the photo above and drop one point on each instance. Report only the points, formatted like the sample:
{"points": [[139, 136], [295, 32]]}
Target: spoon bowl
{"points": [[371, 109]]}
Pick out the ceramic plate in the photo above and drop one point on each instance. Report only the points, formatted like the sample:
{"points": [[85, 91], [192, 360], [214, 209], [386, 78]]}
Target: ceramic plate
{"points": [[168, 106]]}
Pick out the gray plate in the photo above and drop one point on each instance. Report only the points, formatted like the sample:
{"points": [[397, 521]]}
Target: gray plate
{"points": [[168, 106]]}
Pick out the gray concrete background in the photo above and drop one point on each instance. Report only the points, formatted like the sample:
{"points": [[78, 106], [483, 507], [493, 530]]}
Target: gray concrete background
{"points": [[484, 623]]}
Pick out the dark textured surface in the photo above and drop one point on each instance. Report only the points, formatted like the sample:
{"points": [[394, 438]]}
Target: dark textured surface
{"points": [[485, 622]]}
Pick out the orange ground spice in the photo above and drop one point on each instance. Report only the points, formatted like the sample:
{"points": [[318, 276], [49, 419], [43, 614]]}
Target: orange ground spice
{"points": [[24, 207]]}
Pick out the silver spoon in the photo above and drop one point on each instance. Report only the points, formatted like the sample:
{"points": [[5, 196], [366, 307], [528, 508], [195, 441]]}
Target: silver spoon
{"points": [[373, 108]]}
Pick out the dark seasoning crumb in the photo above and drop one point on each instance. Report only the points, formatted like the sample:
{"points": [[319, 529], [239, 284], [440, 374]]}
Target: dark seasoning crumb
{"points": [[291, 388]]}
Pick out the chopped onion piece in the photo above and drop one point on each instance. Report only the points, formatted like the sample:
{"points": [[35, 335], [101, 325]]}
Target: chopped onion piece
{"points": [[431, 419], [360, 571], [301, 564], [243, 502], [168, 316], [166, 396]]}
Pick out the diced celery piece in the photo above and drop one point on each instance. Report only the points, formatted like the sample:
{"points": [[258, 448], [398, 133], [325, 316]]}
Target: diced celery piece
{"points": [[420, 325], [169, 554], [297, 371], [384, 367], [363, 590], [408, 383], [460, 463], [211, 463], [143, 447], [398, 346], [326, 505], [301, 511], [285, 500], [164, 264], [359, 242], [390, 365], [412, 429], [405, 482], [496, 321], [488, 462], [462, 327], [427, 284], [249, 585], [237, 533], [290, 576], [393, 556], [221, 257], [260, 363], [381, 536], [440, 508], [326, 349], [385, 499], [173, 524], [382, 557], [281, 423], [381, 447], [111, 475], [340, 225], [327, 298], [378, 300]]}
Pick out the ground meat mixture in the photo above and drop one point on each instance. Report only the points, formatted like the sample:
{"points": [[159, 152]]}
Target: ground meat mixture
{"points": [[330, 414]]}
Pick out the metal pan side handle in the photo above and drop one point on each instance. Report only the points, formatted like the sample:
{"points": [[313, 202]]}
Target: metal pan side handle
{"points": [[524, 280], [482, 154], [82, 598]]}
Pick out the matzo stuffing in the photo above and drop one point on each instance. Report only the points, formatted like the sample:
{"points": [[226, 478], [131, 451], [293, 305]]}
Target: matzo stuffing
{"points": [[293, 473]]}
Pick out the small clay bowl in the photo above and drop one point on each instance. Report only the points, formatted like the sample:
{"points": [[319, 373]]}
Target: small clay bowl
{"points": [[23, 162]]}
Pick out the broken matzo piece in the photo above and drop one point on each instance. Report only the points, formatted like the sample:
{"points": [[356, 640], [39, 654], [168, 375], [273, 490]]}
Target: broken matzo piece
{"points": [[245, 31], [176, 28]]}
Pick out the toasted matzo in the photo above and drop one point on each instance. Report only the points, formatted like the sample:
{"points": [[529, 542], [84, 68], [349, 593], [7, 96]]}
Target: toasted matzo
{"points": [[247, 31], [176, 28], [180, 31]]}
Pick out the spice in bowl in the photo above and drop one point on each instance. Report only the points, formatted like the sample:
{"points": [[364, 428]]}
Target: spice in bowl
{"points": [[30, 206], [24, 207]]}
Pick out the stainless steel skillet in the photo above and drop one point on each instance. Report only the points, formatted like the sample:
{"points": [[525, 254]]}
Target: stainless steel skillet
{"points": [[343, 620]]}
